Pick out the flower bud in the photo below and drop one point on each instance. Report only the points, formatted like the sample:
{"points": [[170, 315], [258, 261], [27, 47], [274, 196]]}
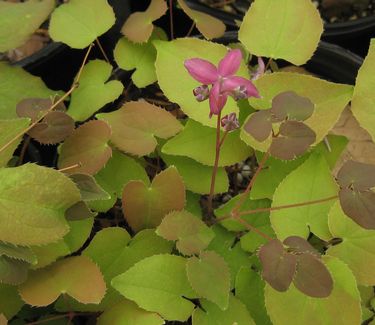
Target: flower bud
{"points": [[201, 93], [239, 93], [230, 122]]}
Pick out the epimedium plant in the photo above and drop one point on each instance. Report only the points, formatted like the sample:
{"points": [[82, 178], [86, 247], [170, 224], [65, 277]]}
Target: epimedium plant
{"points": [[128, 228]]}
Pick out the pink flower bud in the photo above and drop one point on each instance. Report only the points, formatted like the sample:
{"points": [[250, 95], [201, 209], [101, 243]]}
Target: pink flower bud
{"points": [[201, 93], [230, 122]]}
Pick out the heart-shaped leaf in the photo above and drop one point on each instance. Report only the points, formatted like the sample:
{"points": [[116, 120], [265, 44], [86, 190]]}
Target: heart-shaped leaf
{"points": [[34, 107], [299, 245], [18, 252], [145, 284], [192, 234], [356, 175], [76, 23], [94, 90], [145, 207], [138, 27], [259, 125], [129, 56], [89, 188], [34, 217], [136, 124], [44, 286], [87, 148], [209, 276], [287, 29], [209, 26], [12, 271], [32, 13], [293, 140]]}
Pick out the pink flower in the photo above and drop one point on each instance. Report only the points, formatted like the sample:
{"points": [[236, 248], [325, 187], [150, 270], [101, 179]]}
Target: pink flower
{"points": [[223, 80]]}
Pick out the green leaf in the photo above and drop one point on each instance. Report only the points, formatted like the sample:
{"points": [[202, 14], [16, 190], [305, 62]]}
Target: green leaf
{"points": [[192, 234], [341, 307], [127, 312], [356, 249], [287, 29], [79, 232], [145, 207], [76, 23], [197, 177], [32, 13], [89, 188], [209, 276], [10, 300], [94, 90], [129, 56], [34, 200], [12, 89], [114, 252], [329, 98], [363, 97], [176, 82], [85, 282], [193, 204], [8, 130], [18, 252], [250, 290], [224, 244], [235, 314], [87, 148], [198, 142], [159, 284], [312, 181], [136, 124], [12, 271]]}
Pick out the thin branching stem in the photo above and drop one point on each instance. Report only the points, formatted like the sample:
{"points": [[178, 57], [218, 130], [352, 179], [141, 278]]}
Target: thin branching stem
{"points": [[171, 18], [102, 50]]}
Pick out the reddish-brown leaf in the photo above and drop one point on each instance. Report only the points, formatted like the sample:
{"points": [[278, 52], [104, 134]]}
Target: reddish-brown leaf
{"points": [[32, 107], [357, 175], [145, 207], [259, 125], [278, 266], [88, 147], [300, 245], [293, 140], [312, 277]]}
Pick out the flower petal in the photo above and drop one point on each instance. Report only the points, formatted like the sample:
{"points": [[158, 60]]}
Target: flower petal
{"points": [[202, 70], [231, 84], [231, 63], [217, 100]]}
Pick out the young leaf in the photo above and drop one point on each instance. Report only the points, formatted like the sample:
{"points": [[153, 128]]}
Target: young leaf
{"points": [[10, 301], [209, 26], [12, 271], [8, 130], [89, 188], [288, 29], [341, 307], [138, 27], [363, 97], [176, 82], [312, 181], [293, 140], [259, 125], [34, 107], [136, 124], [209, 276], [356, 175], [298, 245], [186, 143], [87, 147], [32, 13], [79, 211], [356, 249], [145, 207], [76, 23], [54, 128], [12, 89], [18, 252], [44, 286], [129, 56], [278, 267], [329, 98], [127, 312], [159, 284], [34, 217], [197, 177], [236, 313], [114, 252], [94, 90], [250, 290], [192, 234]]}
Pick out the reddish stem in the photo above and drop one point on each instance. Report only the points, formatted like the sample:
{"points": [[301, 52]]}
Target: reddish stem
{"points": [[171, 18]]}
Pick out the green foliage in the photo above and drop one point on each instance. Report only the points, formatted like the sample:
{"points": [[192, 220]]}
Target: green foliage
{"points": [[32, 14], [278, 29], [159, 284], [194, 133], [10, 300], [76, 23], [94, 90]]}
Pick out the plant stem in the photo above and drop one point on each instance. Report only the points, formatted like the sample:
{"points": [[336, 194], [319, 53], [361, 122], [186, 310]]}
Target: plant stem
{"points": [[216, 163], [268, 64], [23, 150], [102, 50], [53, 106], [191, 29], [250, 227], [70, 167], [171, 18]]}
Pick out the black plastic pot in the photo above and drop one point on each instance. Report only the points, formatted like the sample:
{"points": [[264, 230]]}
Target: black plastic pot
{"points": [[354, 35]]}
